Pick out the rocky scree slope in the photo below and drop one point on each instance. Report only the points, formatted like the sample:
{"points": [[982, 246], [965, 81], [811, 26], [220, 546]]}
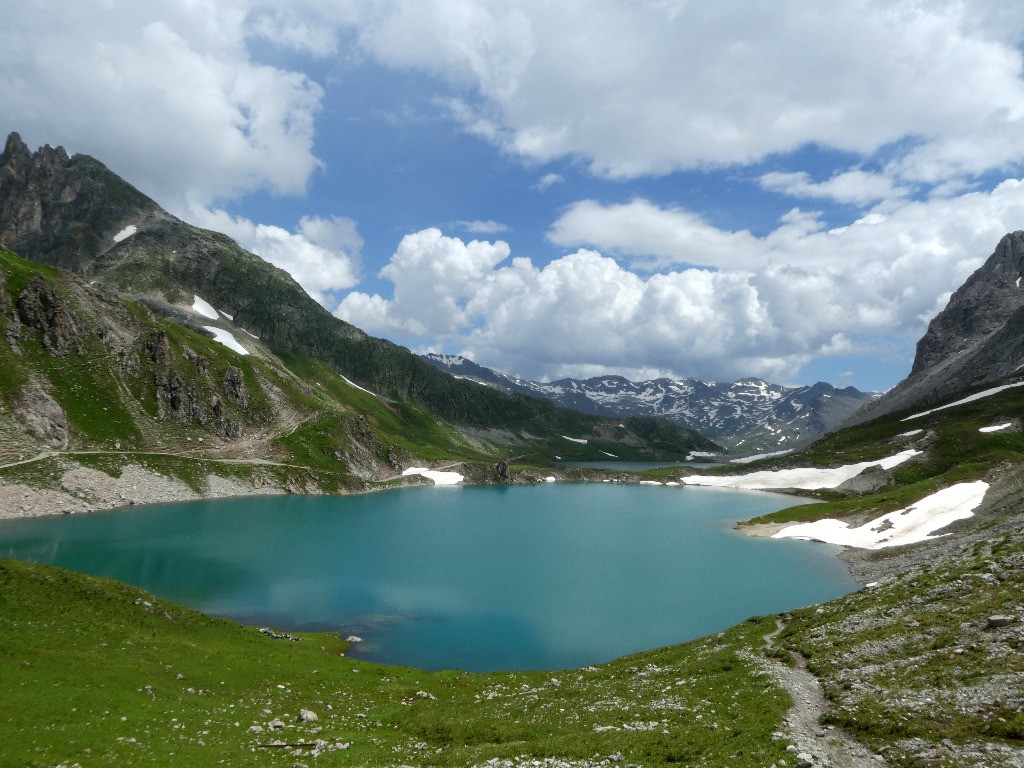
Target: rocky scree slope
{"points": [[72, 212], [977, 339], [748, 416], [87, 378]]}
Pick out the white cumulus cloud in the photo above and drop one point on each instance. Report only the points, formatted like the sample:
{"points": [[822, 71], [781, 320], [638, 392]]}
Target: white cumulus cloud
{"points": [[652, 87], [721, 305]]}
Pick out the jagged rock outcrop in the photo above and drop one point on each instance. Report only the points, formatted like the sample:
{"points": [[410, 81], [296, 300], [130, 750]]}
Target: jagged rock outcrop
{"points": [[68, 208], [41, 416], [41, 308], [234, 386], [977, 339]]}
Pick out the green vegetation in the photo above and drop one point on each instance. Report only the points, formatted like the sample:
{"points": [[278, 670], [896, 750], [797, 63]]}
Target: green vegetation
{"points": [[99, 673], [914, 665]]}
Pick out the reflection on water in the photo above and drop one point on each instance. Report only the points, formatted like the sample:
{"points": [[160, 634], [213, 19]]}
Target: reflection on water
{"points": [[478, 578]]}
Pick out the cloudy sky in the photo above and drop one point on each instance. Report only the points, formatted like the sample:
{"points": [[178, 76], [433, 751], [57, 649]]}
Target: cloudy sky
{"points": [[783, 189]]}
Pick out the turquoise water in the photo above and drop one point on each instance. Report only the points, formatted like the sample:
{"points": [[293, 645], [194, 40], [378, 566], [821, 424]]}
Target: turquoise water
{"points": [[479, 578]]}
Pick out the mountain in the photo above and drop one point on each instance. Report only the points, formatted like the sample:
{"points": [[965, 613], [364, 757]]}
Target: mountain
{"points": [[978, 339], [75, 214], [749, 415]]}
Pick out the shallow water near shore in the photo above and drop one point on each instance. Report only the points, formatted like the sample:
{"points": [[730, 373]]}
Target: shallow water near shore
{"points": [[478, 578]]}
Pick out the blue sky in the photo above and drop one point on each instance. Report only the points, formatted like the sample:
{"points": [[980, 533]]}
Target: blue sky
{"points": [[644, 188]]}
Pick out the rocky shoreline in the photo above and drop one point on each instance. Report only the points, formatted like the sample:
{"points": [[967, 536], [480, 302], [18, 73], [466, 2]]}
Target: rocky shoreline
{"points": [[89, 490]]}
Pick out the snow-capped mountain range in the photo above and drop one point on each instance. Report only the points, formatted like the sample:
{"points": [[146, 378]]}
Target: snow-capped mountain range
{"points": [[746, 416]]}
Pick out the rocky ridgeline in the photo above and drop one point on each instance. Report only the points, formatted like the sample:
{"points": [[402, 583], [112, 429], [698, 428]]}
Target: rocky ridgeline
{"points": [[977, 339], [749, 415]]}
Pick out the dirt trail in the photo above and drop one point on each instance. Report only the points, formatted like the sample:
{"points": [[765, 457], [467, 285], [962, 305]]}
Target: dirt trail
{"points": [[826, 745]]}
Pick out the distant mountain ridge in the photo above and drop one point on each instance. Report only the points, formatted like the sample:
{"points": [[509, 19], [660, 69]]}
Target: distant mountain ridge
{"points": [[748, 415]]}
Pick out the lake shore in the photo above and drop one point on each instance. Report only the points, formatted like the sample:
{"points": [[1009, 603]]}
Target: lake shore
{"points": [[83, 490]]}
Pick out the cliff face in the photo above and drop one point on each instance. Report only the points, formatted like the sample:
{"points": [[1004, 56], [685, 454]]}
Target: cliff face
{"points": [[980, 308], [977, 339], [64, 210]]}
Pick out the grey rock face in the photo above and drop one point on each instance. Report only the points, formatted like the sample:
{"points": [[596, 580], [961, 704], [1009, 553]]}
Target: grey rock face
{"points": [[41, 416], [977, 339], [41, 308], [978, 309], [234, 386], [871, 479], [66, 207]]}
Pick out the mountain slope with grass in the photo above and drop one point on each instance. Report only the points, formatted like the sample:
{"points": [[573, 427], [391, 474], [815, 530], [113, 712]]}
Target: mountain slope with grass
{"points": [[73, 213], [92, 385]]}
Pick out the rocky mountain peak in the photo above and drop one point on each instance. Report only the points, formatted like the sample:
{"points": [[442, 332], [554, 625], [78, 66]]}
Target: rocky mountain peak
{"points": [[979, 308], [64, 208], [976, 340]]}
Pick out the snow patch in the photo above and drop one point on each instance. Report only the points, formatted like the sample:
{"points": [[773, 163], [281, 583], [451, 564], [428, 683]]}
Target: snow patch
{"points": [[970, 399], [439, 478], [125, 233], [700, 455], [758, 456], [227, 339], [575, 439], [363, 389], [609, 454], [904, 526], [204, 308], [996, 428], [911, 433], [801, 478], [550, 479]]}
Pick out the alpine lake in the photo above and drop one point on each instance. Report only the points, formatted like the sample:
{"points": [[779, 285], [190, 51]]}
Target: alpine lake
{"points": [[486, 578]]}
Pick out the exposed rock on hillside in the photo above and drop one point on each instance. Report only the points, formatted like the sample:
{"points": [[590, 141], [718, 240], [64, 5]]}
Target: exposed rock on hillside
{"points": [[41, 415], [41, 308], [977, 339]]}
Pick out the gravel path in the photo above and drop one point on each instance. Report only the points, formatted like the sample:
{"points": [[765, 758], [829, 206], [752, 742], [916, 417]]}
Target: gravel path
{"points": [[815, 744]]}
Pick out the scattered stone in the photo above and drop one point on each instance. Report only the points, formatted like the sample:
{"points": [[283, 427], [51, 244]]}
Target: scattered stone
{"points": [[276, 635], [353, 639], [308, 716], [999, 620], [275, 724]]}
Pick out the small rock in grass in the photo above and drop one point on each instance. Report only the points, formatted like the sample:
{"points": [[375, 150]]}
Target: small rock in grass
{"points": [[275, 724], [999, 620], [308, 716]]}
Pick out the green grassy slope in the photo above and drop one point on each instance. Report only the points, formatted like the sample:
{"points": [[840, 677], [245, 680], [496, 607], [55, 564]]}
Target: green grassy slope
{"points": [[135, 381], [98, 673]]}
